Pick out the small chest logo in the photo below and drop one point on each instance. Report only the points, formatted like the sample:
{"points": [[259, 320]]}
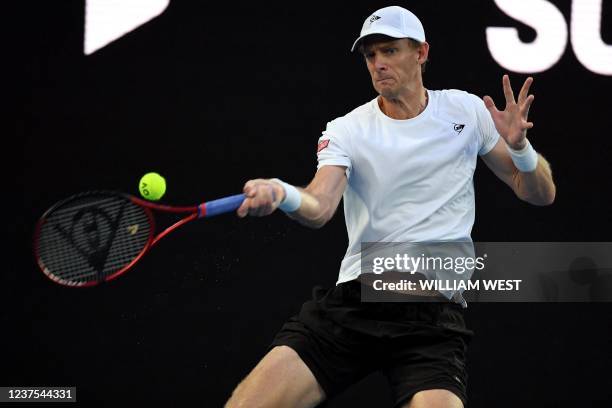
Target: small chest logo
{"points": [[458, 127], [322, 145]]}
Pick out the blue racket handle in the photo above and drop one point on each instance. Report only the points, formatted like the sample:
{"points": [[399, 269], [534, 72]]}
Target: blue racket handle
{"points": [[220, 206]]}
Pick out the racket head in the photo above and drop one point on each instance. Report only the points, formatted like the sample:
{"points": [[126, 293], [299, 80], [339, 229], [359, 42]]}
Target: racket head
{"points": [[92, 237]]}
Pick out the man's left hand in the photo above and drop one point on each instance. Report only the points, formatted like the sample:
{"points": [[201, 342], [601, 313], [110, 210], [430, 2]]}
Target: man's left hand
{"points": [[511, 123]]}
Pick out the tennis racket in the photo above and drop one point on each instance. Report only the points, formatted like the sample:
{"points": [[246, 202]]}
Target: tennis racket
{"points": [[97, 236]]}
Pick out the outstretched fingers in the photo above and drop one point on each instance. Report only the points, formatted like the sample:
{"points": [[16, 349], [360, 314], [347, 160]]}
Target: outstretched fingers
{"points": [[525, 90], [526, 105], [490, 104], [508, 90], [525, 111]]}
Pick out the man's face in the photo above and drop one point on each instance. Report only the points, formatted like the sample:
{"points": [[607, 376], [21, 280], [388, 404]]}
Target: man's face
{"points": [[394, 65]]}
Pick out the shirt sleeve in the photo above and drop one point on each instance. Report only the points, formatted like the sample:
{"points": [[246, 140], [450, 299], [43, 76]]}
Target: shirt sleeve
{"points": [[333, 147], [487, 133]]}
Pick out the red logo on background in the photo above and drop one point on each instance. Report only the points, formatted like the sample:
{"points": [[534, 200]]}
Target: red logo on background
{"points": [[322, 145]]}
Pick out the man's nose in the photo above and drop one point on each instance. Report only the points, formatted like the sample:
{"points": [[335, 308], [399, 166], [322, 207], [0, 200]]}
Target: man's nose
{"points": [[380, 64]]}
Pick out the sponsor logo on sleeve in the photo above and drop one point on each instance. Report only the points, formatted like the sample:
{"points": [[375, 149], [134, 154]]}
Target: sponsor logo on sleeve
{"points": [[322, 145]]}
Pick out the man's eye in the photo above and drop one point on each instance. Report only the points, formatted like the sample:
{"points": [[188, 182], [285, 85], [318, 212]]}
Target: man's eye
{"points": [[390, 51]]}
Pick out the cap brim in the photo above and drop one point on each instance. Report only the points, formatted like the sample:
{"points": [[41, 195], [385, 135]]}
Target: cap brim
{"points": [[391, 32]]}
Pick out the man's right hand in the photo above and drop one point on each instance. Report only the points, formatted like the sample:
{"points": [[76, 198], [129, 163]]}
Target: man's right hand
{"points": [[319, 199], [262, 198]]}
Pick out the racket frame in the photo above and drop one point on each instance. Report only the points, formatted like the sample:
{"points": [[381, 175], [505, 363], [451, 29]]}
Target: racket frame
{"points": [[194, 212]]}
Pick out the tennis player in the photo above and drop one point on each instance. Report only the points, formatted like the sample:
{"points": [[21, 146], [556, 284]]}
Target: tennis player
{"points": [[404, 164]]}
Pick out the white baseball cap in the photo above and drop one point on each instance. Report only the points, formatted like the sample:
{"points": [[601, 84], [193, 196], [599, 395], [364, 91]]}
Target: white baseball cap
{"points": [[394, 21]]}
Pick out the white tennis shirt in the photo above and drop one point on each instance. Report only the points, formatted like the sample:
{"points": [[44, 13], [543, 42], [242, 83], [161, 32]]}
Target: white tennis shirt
{"points": [[408, 180]]}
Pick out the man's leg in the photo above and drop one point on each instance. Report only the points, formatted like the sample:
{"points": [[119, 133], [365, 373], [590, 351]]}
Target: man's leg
{"points": [[281, 379], [428, 365], [434, 399]]}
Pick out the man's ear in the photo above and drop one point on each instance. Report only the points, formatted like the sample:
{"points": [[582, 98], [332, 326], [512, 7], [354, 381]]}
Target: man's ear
{"points": [[423, 52]]}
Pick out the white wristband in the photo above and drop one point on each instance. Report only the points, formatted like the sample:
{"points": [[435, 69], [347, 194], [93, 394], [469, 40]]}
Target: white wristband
{"points": [[526, 159], [293, 198]]}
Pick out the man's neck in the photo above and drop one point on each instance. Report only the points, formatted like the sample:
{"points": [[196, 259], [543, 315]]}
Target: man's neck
{"points": [[406, 106]]}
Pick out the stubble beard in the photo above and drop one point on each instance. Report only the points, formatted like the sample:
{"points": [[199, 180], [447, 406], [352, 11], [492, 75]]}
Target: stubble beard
{"points": [[386, 92]]}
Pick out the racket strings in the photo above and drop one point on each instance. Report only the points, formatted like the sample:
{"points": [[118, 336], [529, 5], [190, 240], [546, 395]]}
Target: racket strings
{"points": [[87, 239]]}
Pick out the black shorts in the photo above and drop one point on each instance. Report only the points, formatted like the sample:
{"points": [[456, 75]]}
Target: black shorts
{"points": [[417, 346]]}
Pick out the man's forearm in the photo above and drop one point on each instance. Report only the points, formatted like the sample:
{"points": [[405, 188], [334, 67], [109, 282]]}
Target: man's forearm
{"points": [[315, 211], [312, 206], [536, 187]]}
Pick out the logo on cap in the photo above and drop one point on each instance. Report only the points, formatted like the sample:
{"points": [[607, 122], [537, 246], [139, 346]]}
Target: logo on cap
{"points": [[374, 18]]}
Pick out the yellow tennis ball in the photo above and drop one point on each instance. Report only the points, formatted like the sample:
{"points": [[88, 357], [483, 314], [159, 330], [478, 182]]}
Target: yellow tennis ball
{"points": [[152, 186]]}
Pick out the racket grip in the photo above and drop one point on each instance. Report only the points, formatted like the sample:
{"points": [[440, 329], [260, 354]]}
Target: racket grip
{"points": [[220, 206]]}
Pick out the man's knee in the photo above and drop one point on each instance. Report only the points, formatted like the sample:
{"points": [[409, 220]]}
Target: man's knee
{"points": [[436, 398], [280, 379]]}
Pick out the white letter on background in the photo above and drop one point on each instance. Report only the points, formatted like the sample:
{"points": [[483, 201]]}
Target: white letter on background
{"points": [[588, 46], [544, 52], [108, 20]]}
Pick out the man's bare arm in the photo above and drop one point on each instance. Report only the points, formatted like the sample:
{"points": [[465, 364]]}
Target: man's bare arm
{"points": [[536, 187], [534, 183], [319, 200]]}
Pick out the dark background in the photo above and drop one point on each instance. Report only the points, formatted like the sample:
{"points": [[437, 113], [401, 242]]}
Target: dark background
{"points": [[213, 95]]}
